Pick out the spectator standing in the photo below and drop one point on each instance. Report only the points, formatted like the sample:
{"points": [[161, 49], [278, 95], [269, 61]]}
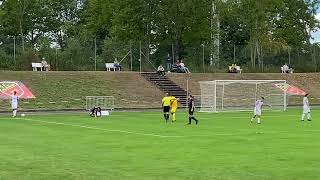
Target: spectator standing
{"points": [[169, 63]]}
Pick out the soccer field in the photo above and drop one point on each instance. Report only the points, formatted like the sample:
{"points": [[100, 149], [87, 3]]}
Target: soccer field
{"points": [[142, 146]]}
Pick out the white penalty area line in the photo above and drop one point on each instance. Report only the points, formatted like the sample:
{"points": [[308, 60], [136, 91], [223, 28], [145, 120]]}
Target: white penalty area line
{"points": [[100, 129], [129, 132]]}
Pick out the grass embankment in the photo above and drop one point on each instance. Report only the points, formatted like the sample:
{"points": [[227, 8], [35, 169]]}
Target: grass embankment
{"points": [[67, 90]]}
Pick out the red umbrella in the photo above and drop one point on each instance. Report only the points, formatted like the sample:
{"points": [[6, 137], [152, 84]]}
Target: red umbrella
{"points": [[8, 87]]}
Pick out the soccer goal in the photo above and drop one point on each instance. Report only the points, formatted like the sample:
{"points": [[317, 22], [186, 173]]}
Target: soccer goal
{"points": [[104, 102], [240, 95]]}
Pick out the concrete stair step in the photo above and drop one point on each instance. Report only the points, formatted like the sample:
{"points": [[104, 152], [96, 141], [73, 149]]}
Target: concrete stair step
{"points": [[166, 85]]}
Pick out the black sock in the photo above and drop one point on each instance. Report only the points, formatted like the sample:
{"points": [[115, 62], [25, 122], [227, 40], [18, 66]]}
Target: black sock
{"points": [[195, 120], [165, 116], [189, 120]]}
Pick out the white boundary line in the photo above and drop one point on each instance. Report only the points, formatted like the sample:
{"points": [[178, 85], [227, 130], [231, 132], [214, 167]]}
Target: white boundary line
{"points": [[96, 128], [258, 131]]}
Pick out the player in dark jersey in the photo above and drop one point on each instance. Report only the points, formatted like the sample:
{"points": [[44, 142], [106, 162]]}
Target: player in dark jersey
{"points": [[94, 111], [191, 110]]}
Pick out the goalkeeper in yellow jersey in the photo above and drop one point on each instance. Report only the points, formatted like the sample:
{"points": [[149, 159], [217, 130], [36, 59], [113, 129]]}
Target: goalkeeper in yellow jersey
{"points": [[174, 107]]}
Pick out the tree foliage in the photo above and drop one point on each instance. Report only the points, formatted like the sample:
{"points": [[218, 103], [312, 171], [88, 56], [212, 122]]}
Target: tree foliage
{"points": [[71, 33]]}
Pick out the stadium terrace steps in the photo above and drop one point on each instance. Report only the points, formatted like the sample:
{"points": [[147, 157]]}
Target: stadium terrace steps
{"points": [[167, 86]]}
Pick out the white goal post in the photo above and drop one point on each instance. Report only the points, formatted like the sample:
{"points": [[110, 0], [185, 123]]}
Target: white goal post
{"points": [[240, 95], [104, 102]]}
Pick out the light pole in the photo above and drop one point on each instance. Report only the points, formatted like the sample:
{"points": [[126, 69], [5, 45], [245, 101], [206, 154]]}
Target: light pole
{"points": [[95, 54], [172, 48], [289, 53], [56, 59], [140, 58], [234, 53], [14, 49], [131, 56], [203, 64], [56, 47]]}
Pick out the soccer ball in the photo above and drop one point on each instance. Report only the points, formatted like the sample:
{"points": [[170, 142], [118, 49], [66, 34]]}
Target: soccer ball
{"points": [[23, 115]]}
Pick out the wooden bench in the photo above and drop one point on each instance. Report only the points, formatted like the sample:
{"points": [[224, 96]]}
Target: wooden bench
{"points": [[35, 66], [238, 68], [111, 66]]}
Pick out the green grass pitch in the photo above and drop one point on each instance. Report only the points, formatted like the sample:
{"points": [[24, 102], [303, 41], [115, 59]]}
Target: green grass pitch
{"points": [[141, 146]]}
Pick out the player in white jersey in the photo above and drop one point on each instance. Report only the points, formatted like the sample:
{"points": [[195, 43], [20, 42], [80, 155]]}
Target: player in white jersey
{"points": [[14, 103], [306, 108], [257, 110]]}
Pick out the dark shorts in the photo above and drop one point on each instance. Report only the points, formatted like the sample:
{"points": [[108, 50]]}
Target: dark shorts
{"points": [[166, 109], [191, 111]]}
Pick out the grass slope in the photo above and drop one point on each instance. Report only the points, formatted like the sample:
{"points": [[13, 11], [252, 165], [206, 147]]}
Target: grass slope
{"points": [[141, 146], [67, 90]]}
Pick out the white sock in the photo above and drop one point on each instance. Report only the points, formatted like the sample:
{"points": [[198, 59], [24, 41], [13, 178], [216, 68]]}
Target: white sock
{"points": [[14, 113], [309, 116], [258, 120], [303, 115]]}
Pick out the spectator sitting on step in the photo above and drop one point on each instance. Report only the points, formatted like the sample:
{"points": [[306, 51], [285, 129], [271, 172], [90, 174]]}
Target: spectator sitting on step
{"points": [[233, 68], [161, 71], [117, 64], [177, 67], [184, 67]]}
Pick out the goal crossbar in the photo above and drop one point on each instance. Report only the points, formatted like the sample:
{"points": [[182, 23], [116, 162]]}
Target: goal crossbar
{"points": [[242, 81]]}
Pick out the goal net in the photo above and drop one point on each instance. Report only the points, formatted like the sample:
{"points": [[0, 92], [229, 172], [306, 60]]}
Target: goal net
{"points": [[104, 102], [240, 95]]}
